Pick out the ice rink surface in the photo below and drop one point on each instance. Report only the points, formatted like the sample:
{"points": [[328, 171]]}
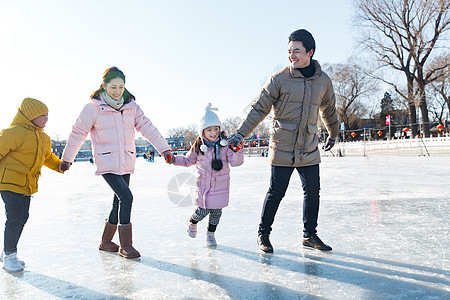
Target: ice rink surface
{"points": [[387, 219]]}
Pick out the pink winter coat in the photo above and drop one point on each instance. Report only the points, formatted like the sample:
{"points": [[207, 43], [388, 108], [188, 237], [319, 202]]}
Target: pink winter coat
{"points": [[112, 135], [213, 187]]}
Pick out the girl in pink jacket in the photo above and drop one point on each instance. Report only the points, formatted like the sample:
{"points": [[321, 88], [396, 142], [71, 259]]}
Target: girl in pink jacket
{"points": [[212, 159], [112, 118]]}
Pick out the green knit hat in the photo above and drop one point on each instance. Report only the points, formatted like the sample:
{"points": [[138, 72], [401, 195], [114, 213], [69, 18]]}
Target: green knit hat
{"points": [[32, 108]]}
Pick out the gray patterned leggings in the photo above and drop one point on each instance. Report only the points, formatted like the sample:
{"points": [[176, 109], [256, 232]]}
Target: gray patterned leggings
{"points": [[214, 217]]}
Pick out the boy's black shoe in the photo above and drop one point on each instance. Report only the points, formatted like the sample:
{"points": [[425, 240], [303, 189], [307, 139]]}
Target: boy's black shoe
{"points": [[315, 242], [264, 243]]}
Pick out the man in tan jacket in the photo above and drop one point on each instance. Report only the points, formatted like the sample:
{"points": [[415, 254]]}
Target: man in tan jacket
{"points": [[297, 95]]}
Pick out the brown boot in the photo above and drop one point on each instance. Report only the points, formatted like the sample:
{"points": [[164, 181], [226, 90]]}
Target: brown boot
{"points": [[126, 242], [108, 233]]}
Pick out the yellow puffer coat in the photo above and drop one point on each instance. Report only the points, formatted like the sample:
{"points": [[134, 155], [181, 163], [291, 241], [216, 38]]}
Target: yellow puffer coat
{"points": [[24, 149]]}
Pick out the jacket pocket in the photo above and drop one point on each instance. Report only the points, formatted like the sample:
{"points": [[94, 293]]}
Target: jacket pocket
{"points": [[34, 181], [282, 135], [130, 161], [313, 129], [311, 141], [16, 177], [105, 162]]}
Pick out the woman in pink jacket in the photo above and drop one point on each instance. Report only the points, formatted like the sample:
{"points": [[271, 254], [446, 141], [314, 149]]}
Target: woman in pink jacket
{"points": [[212, 159], [112, 118]]}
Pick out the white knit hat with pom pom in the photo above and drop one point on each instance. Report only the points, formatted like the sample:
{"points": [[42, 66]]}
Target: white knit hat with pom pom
{"points": [[209, 119]]}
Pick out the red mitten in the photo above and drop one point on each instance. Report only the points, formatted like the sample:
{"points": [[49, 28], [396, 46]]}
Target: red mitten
{"points": [[236, 146], [235, 142], [168, 156]]}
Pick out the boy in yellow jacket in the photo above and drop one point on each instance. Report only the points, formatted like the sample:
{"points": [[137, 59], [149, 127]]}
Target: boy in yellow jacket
{"points": [[24, 149]]}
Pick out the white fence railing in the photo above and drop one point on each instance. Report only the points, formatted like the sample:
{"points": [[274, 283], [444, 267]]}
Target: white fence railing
{"points": [[416, 146]]}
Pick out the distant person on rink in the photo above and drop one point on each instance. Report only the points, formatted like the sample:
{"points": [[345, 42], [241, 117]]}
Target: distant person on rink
{"points": [[212, 159], [111, 118], [24, 149], [297, 94], [152, 156]]}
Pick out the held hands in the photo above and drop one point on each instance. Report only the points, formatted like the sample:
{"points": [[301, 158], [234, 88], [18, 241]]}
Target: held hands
{"points": [[168, 156], [329, 144], [235, 142], [64, 166], [239, 147]]}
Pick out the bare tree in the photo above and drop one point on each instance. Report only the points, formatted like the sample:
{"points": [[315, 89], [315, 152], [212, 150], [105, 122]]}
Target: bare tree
{"points": [[400, 113], [440, 88], [231, 125], [189, 133], [352, 87], [263, 129], [436, 21], [402, 34], [438, 109]]}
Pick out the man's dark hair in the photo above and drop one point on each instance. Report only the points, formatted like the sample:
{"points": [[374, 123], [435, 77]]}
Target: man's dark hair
{"points": [[305, 37]]}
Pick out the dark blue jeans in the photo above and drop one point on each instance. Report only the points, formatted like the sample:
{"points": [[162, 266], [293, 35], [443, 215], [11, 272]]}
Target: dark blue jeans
{"points": [[123, 198], [279, 182], [17, 208]]}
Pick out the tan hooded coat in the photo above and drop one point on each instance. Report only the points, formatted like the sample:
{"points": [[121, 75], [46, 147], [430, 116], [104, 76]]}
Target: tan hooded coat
{"points": [[296, 102]]}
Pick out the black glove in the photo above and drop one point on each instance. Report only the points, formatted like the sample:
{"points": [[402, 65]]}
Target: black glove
{"points": [[235, 142], [329, 144]]}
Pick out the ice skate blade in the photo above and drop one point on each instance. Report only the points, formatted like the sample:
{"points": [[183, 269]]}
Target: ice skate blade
{"points": [[14, 271], [312, 248], [265, 252]]}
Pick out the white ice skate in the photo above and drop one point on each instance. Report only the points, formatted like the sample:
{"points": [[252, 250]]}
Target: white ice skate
{"points": [[3, 255], [210, 239], [192, 229], [11, 264]]}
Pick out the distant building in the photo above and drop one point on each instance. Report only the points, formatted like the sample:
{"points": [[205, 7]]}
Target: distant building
{"points": [[177, 143], [58, 147]]}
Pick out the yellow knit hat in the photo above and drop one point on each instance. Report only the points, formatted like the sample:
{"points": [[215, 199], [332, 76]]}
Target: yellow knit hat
{"points": [[32, 108]]}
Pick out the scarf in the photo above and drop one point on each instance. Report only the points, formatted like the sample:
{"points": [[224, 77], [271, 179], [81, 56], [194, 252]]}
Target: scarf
{"points": [[116, 104], [216, 162]]}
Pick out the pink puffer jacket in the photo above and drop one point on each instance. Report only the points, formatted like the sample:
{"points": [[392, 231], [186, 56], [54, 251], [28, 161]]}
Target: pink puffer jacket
{"points": [[112, 135], [213, 187]]}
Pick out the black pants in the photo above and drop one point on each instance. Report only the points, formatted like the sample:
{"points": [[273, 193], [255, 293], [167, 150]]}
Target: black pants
{"points": [[17, 208], [123, 198], [279, 182]]}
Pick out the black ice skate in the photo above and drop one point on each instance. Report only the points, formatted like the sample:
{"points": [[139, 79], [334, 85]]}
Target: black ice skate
{"points": [[264, 243], [315, 242]]}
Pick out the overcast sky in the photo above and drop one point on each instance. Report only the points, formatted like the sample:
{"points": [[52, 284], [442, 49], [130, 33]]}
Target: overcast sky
{"points": [[177, 55]]}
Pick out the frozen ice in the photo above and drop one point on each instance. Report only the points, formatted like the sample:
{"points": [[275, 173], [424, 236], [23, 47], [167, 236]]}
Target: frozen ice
{"points": [[386, 218]]}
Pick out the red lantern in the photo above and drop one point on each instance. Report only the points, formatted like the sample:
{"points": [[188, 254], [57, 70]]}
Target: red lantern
{"points": [[353, 134], [406, 129], [380, 133], [440, 126]]}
